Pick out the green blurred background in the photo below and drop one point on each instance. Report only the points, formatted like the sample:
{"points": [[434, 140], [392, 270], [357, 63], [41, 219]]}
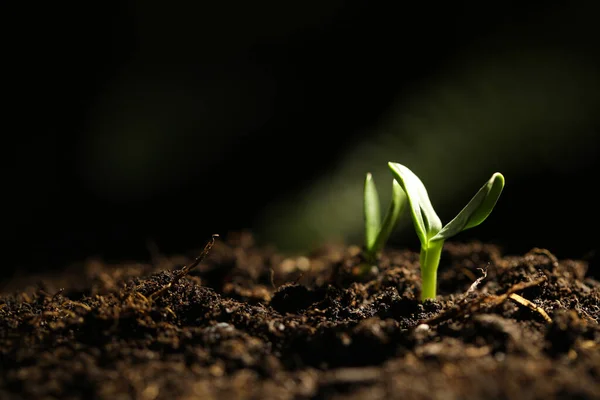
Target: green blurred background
{"points": [[166, 122]]}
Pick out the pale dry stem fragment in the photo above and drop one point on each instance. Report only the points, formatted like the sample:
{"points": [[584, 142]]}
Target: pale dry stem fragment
{"points": [[524, 302], [464, 307], [78, 304], [477, 282], [168, 309], [141, 296]]}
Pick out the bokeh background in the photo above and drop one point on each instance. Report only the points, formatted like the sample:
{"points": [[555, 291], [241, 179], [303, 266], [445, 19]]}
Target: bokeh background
{"points": [[140, 122]]}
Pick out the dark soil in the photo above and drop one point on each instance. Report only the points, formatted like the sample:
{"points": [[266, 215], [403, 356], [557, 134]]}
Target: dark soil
{"points": [[249, 324]]}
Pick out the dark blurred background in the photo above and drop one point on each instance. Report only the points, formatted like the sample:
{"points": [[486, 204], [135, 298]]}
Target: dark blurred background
{"points": [[137, 122]]}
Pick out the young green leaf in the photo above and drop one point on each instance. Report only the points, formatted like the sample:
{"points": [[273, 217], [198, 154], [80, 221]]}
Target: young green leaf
{"points": [[478, 209], [376, 231], [426, 222], [371, 212], [429, 227], [392, 216]]}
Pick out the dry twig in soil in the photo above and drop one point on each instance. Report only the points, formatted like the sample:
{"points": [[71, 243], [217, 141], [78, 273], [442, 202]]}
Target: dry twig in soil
{"points": [[186, 269], [464, 307]]}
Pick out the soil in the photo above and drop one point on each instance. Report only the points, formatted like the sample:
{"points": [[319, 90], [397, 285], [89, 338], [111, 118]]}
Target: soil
{"points": [[248, 323]]}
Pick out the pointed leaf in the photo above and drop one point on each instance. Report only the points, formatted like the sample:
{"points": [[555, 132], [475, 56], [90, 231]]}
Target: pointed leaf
{"points": [[392, 216], [372, 213], [427, 223], [478, 209]]}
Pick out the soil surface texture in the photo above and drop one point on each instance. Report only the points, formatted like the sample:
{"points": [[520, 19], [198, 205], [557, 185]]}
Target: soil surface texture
{"points": [[249, 323]]}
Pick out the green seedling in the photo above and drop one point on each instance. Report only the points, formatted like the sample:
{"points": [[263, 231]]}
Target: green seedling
{"points": [[376, 231], [429, 227]]}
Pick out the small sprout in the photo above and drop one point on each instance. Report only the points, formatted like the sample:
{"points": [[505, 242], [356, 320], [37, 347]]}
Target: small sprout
{"points": [[376, 231], [429, 227]]}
